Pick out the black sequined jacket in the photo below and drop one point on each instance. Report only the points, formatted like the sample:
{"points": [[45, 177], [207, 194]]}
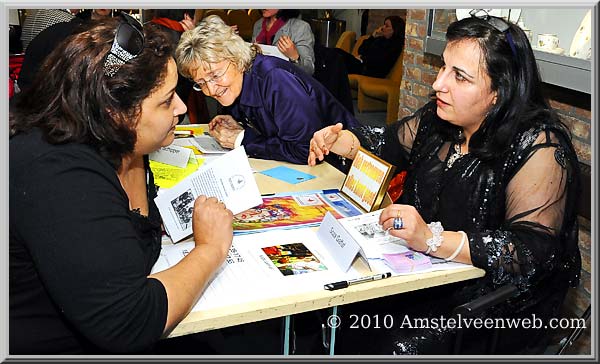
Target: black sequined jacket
{"points": [[519, 210]]}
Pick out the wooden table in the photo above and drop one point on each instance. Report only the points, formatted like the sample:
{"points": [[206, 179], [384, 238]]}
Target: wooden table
{"points": [[328, 177]]}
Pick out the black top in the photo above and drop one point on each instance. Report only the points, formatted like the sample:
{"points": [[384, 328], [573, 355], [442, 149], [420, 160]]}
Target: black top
{"points": [[79, 258], [519, 211], [379, 55]]}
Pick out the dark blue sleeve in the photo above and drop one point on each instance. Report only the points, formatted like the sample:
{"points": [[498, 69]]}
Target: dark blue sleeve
{"points": [[294, 109]]}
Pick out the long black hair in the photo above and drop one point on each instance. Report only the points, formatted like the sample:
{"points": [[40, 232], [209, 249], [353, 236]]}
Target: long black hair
{"points": [[72, 100], [514, 75], [398, 25]]}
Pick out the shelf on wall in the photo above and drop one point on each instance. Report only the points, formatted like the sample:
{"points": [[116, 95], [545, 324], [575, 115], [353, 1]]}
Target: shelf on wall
{"points": [[560, 70]]}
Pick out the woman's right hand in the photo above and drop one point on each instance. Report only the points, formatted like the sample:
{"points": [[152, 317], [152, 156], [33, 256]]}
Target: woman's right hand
{"points": [[378, 32], [212, 224], [225, 130], [324, 141]]}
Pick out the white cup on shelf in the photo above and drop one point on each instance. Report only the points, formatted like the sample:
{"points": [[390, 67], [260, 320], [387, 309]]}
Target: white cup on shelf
{"points": [[547, 41]]}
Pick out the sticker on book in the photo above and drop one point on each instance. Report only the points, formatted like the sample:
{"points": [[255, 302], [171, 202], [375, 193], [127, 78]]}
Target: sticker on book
{"points": [[308, 200]]}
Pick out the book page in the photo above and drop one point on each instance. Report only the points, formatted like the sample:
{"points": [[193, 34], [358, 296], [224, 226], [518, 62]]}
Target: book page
{"points": [[261, 266], [228, 178], [292, 210], [374, 242]]}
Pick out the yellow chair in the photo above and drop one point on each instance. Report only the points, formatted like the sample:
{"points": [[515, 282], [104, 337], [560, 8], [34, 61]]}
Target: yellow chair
{"points": [[353, 78], [254, 15], [240, 18], [376, 94], [346, 40], [219, 12]]}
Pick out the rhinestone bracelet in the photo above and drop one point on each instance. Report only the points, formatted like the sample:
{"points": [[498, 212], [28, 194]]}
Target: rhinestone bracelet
{"points": [[437, 239]]}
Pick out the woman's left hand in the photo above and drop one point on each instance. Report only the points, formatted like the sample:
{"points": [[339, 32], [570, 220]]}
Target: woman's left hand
{"points": [[287, 47], [414, 230]]}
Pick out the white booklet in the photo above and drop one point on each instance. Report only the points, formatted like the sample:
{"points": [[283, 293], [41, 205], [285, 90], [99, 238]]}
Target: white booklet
{"points": [[228, 178], [262, 266], [208, 145], [362, 236], [273, 51]]}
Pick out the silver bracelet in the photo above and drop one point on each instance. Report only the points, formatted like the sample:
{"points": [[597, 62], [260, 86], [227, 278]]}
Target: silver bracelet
{"points": [[463, 240], [437, 239]]}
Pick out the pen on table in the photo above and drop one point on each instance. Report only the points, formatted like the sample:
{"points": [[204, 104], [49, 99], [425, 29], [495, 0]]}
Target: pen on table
{"points": [[184, 132], [267, 194], [351, 282]]}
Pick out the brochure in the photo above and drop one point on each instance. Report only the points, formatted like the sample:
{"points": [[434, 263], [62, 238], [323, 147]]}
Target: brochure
{"points": [[235, 187], [292, 210]]}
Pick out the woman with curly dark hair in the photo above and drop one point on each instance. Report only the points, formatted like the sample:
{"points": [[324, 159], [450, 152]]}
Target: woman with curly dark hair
{"points": [[85, 231]]}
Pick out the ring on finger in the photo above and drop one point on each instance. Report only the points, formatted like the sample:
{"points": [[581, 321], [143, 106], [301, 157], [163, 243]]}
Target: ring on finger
{"points": [[398, 223]]}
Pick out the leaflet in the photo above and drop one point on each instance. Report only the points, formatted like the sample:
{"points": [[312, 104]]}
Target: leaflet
{"points": [[261, 266], [228, 178]]}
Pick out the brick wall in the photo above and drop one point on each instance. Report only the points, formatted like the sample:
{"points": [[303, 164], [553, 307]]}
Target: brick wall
{"points": [[574, 107]]}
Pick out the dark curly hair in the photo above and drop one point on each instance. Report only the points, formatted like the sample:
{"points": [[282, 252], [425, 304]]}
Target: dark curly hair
{"points": [[73, 101]]}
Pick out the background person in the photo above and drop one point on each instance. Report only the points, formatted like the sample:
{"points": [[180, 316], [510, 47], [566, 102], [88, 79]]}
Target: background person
{"points": [[378, 53], [275, 107], [85, 231], [175, 22], [492, 180], [292, 36]]}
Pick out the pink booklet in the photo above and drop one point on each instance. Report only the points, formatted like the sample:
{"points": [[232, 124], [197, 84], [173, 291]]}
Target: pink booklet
{"points": [[407, 262]]}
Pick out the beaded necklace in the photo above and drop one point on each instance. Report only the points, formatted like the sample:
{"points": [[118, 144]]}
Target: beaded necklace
{"points": [[455, 156]]}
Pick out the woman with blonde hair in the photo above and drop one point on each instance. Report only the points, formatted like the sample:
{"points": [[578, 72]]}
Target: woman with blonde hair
{"points": [[274, 106]]}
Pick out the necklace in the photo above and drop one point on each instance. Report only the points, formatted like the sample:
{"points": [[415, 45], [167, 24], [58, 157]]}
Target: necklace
{"points": [[455, 156]]}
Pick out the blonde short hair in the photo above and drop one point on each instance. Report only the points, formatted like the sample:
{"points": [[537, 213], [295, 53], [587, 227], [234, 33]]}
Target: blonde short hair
{"points": [[213, 41]]}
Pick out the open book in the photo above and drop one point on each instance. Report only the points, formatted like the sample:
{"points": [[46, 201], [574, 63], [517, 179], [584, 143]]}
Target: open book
{"points": [[236, 187], [266, 265]]}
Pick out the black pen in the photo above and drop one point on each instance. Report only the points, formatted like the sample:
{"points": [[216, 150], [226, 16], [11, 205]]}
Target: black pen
{"points": [[351, 282]]}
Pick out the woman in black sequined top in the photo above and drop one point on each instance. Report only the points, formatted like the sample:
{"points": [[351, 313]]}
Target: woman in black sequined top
{"points": [[490, 160]]}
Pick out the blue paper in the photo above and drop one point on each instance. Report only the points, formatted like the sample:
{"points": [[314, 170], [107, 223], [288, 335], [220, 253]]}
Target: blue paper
{"points": [[288, 175]]}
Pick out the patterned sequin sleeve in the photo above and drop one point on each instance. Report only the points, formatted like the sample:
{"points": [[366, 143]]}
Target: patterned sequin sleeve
{"points": [[393, 142], [539, 234]]}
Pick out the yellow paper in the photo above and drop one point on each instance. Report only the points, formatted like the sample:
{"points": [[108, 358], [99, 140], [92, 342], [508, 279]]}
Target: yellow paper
{"points": [[167, 176], [194, 128]]}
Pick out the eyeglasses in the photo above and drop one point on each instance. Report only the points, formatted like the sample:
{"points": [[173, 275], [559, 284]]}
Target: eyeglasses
{"points": [[499, 24], [127, 44], [203, 85]]}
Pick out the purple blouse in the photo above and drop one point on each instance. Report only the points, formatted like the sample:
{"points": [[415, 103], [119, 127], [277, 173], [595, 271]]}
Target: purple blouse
{"points": [[281, 107]]}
